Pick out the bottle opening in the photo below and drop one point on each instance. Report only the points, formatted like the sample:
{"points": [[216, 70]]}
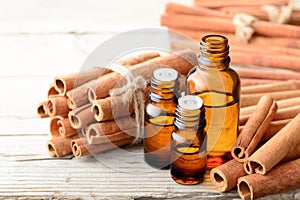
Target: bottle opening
{"points": [[214, 42]]}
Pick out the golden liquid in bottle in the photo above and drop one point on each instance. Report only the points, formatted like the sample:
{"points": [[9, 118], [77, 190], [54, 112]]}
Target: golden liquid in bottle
{"points": [[187, 167], [221, 114], [157, 141]]}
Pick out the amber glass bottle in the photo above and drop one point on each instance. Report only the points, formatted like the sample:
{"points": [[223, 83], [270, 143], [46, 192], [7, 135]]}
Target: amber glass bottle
{"points": [[160, 115], [219, 86], [188, 146]]}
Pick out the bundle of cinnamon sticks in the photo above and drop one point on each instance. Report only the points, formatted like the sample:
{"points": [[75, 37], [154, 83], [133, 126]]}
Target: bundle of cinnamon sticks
{"points": [[86, 119], [272, 46]]}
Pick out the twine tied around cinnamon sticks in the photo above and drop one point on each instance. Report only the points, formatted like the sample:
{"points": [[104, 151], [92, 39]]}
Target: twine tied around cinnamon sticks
{"points": [[244, 30], [132, 91], [282, 16]]}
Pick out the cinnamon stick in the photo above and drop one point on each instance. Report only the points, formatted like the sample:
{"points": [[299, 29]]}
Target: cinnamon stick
{"points": [[67, 82], [109, 127], [266, 60], [42, 109], [60, 146], [81, 116], [78, 96], [281, 178], [182, 61], [278, 86], [80, 147], [276, 149], [252, 99], [111, 108], [254, 129], [231, 3], [284, 103], [52, 91], [199, 10], [275, 127], [281, 114], [64, 127], [225, 176], [54, 127], [253, 82], [255, 39], [267, 74], [96, 139], [57, 105], [226, 25]]}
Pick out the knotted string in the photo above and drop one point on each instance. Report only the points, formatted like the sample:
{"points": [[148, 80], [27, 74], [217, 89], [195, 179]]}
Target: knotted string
{"points": [[132, 91], [243, 30], [281, 17]]}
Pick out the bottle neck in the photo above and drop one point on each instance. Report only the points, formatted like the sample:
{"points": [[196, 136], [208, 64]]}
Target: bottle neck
{"points": [[190, 118], [163, 90], [214, 52]]}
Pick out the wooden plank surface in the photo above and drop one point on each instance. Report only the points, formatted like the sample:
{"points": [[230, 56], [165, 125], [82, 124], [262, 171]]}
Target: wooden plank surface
{"points": [[40, 39]]}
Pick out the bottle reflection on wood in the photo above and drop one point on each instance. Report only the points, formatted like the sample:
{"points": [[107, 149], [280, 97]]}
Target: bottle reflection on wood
{"points": [[160, 114], [188, 147]]}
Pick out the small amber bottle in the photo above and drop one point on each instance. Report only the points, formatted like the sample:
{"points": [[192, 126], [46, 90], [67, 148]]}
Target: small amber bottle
{"points": [[188, 147], [160, 115], [219, 86]]}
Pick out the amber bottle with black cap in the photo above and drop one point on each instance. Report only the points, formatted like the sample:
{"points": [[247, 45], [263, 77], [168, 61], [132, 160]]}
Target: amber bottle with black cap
{"points": [[219, 86]]}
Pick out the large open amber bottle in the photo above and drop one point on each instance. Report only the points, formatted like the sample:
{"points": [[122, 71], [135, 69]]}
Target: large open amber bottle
{"points": [[219, 86]]}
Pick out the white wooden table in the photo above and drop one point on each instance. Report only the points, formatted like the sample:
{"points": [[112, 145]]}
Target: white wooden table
{"points": [[38, 40]]}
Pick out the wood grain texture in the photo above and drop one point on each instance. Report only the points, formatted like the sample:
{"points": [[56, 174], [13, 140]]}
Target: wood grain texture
{"points": [[42, 39]]}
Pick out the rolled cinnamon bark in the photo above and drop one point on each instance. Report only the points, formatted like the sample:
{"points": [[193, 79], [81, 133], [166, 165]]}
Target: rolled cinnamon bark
{"points": [[54, 127], [60, 146], [42, 109], [254, 81], [267, 74], [182, 61], [67, 82], [78, 96], [254, 129], [225, 176], [281, 178], [252, 99], [284, 103], [65, 129], [277, 148], [279, 86], [80, 147], [109, 127], [274, 127], [111, 108], [281, 114], [96, 139], [81, 116], [57, 105], [52, 91]]}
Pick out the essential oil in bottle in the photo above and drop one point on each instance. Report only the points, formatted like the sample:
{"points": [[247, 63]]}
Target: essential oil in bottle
{"points": [[160, 115], [219, 86], [188, 147]]}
